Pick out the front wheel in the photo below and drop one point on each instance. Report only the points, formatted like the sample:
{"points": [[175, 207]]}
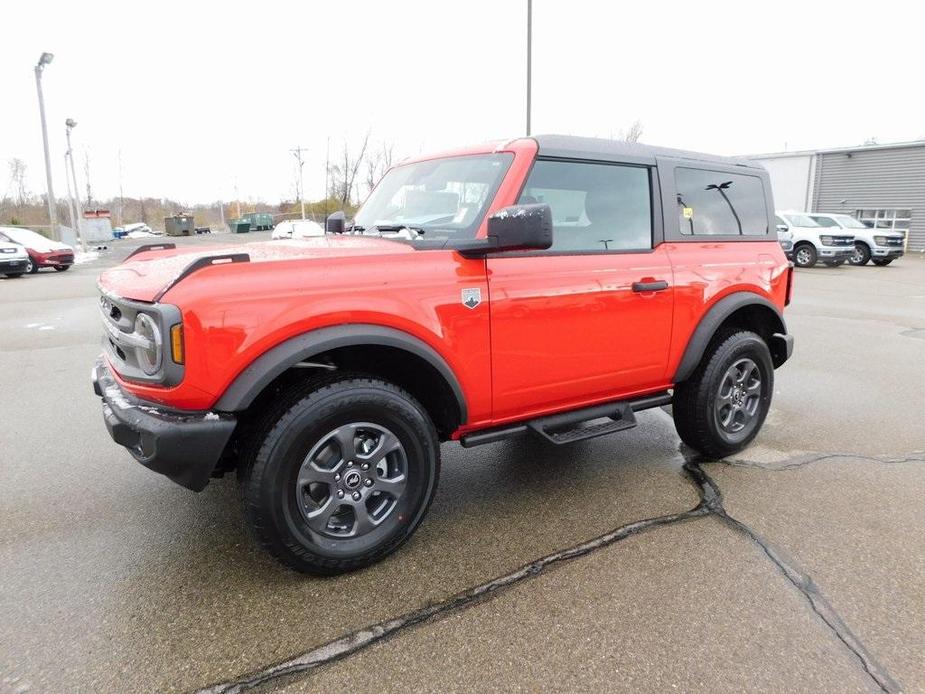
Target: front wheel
{"points": [[883, 262], [31, 266], [804, 255], [342, 473], [61, 268], [721, 407], [861, 255]]}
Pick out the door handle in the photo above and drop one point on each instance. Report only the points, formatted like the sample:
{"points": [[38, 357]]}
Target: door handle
{"points": [[652, 286]]}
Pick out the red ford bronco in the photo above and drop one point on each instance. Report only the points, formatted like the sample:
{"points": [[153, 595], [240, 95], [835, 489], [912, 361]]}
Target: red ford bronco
{"points": [[548, 287]]}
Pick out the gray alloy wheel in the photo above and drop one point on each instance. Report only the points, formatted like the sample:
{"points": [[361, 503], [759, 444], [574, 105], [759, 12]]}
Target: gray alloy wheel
{"points": [[737, 401], [352, 480], [861, 255], [31, 267], [805, 256]]}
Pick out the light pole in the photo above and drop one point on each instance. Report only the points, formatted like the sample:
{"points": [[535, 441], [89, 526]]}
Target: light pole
{"points": [[529, 59], [70, 124], [721, 189], [44, 60]]}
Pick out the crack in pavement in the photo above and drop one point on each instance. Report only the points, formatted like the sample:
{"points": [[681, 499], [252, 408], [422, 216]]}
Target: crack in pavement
{"points": [[810, 458], [711, 504]]}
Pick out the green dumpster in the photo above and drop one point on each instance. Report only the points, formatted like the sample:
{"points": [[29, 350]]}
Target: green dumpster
{"points": [[239, 226], [259, 221]]}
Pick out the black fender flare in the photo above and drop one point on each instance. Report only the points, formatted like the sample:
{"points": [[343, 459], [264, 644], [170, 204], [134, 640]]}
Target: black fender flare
{"points": [[248, 384], [780, 343]]}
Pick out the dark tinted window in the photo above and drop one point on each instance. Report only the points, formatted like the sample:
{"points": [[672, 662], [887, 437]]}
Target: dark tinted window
{"points": [[711, 203], [595, 207]]}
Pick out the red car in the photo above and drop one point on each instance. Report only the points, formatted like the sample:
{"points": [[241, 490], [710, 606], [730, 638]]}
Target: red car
{"points": [[549, 287], [42, 252]]}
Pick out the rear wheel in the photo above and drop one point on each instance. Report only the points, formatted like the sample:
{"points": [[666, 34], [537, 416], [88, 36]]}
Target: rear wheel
{"points": [[31, 266], [721, 407], [341, 474], [804, 255], [861, 254], [883, 262]]}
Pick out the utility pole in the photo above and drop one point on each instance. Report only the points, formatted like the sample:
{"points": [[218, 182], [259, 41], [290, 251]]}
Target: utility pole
{"points": [[87, 175], [529, 59], [297, 153], [327, 170], [70, 124], [121, 197], [44, 60]]}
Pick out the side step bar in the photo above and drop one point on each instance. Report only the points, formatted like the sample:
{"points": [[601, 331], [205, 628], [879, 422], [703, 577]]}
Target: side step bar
{"points": [[567, 427]]}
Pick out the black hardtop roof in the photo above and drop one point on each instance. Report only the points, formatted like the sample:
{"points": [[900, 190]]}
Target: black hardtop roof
{"points": [[574, 147]]}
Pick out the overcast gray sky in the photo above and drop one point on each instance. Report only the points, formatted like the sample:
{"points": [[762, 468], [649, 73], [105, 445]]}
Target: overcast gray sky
{"points": [[201, 97]]}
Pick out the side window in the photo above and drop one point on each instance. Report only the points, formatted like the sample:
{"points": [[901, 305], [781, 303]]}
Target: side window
{"points": [[718, 203], [595, 207], [824, 221]]}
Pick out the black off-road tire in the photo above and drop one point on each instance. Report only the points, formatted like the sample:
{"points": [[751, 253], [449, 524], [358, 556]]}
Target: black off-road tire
{"points": [[883, 262], [694, 401], [278, 445], [804, 255]]}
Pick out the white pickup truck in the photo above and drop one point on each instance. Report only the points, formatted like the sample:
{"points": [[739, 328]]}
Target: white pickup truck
{"points": [[812, 241], [880, 245]]}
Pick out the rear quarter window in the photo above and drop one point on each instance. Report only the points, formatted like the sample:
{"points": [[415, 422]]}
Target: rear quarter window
{"points": [[717, 203]]}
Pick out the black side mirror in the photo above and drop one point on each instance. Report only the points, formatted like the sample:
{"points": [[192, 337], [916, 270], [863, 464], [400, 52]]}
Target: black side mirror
{"points": [[515, 228], [335, 222], [783, 228], [521, 227]]}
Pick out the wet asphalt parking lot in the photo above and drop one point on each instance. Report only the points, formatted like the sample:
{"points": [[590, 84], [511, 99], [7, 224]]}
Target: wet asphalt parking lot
{"points": [[617, 563]]}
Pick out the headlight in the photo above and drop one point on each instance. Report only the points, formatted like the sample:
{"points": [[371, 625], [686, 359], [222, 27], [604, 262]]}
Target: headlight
{"points": [[149, 356], [826, 240], [880, 240], [786, 244]]}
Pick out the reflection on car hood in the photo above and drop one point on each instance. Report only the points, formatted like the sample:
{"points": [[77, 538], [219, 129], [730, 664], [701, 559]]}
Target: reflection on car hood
{"points": [[144, 276]]}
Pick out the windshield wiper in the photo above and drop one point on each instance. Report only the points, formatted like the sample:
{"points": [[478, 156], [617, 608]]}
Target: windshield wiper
{"points": [[387, 228]]}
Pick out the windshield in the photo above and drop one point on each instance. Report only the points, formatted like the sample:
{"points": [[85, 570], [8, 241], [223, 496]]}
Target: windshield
{"points": [[850, 222], [800, 220], [441, 197], [23, 236]]}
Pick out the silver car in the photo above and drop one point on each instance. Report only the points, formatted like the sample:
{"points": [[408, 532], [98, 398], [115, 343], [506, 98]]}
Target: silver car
{"points": [[14, 261]]}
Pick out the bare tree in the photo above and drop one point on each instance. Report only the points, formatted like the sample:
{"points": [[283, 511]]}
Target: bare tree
{"points": [[18, 181], [632, 133], [343, 175], [377, 164]]}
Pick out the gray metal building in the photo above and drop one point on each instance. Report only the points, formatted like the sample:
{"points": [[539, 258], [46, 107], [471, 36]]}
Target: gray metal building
{"points": [[880, 184]]}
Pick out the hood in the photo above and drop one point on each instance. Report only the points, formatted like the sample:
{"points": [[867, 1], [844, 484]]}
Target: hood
{"points": [[146, 275]]}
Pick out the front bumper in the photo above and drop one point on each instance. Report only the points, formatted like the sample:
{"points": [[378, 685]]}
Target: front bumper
{"points": [[53, 259], [184, 446], [886, 252], [15, 265], [836, 252]]}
